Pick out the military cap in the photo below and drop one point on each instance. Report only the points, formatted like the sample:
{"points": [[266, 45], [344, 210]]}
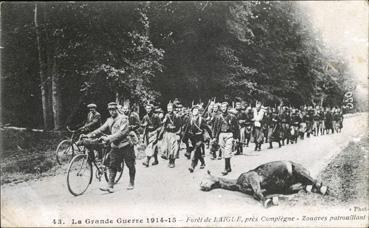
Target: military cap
{"points": [[91, 105], [112, 105], [224, 102]]}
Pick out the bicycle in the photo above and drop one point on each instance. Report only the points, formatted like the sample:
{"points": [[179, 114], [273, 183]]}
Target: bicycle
{"points": [[80, 169], [67, 148]]}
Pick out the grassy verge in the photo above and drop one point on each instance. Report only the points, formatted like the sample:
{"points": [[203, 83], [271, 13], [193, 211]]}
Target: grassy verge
{"points": [[28, 155], [347, 177]]}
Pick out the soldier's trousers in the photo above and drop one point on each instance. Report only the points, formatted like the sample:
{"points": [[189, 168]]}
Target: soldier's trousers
{"points": [[196, 155], [117, 158]]}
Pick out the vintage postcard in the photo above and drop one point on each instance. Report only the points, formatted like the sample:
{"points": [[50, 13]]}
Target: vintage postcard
{"points": [[184, 114]]}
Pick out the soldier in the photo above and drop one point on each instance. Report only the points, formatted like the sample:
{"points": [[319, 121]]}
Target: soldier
{"points": [[196, 129], [121, 149], [321, 121], [309, 121], [171, 126], [295, 123], [151, 124], [273, 129], [241, 119], [303, 124], [93, 119], [215, 124], [328, 120], [337, 119], [249, 125], [229, 128], [285, 124], [316, 119], [258, 133]]}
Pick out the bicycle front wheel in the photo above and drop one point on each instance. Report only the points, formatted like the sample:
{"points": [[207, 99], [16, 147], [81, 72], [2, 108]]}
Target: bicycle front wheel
{"points": [[64, 152], [79, 175]]}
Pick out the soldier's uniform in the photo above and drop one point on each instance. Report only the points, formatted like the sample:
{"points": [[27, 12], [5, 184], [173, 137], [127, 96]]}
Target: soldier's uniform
{"points": [[241, 120], [309, 121], [196, 129], [172, 126], [273, 129], [316, 125], [258, 128], [295, 123], [151, 124], [321, 121], [121, 149], [215, 125], [328, 121], [249, 125], [229, 128], [285, 124]]}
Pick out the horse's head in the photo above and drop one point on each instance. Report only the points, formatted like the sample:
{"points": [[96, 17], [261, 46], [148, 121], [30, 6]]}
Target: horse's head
{"points": [[209, 183]]}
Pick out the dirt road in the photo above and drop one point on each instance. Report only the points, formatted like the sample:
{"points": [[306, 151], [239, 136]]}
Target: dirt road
{"points": [[168, 193]]}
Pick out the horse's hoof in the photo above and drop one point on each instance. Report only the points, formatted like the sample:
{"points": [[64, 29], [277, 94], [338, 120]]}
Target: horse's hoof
{"points": [[309, 188], [267, 202], [323, 190], [275, 200]]}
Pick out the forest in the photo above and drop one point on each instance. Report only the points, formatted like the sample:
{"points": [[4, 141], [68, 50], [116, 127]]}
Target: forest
{"points": [[58, 57]]}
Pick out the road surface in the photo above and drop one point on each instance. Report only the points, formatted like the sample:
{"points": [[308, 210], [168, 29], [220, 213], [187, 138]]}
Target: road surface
{"points": [[164, 192]]}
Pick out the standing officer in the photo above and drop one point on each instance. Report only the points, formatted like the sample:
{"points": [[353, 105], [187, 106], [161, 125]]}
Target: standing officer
{"points": [[121, 149]]}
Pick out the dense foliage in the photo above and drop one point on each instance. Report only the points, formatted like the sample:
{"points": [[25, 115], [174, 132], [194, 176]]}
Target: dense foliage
{"points": [[155, 51]]}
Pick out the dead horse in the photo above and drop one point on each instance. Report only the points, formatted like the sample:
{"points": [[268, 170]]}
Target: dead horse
{"points": [[267, 180]]}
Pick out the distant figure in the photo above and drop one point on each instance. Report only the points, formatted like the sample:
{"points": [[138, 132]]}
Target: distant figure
{"points": [[93, 119]]}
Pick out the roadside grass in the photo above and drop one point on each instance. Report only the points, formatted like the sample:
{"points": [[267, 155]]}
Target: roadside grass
{"points": [[347, 177], [28, 155]]}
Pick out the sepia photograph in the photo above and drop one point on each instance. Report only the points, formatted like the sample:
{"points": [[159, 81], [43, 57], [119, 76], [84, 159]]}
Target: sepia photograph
{"points": [[184, 114]]}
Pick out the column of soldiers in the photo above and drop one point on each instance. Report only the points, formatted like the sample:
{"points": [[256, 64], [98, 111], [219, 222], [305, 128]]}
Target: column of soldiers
{"points": [[223, 128]]}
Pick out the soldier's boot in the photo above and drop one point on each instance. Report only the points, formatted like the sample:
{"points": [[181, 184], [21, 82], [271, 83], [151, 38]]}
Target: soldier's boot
{"points": [[155, 157], [259, 146], [256, 147], [279, 144], [227, 167], [147, 162], [202, 161], [220, 155], [270, 145], [112, 175]]}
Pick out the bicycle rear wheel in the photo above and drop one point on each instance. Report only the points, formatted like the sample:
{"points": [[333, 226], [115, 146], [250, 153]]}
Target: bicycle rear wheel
{"points": [[117, 177], [65, 152], [79, 175]]}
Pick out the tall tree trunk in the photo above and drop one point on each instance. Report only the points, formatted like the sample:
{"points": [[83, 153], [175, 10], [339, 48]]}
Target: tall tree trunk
{"points": [[47, 118], [56, 96]]}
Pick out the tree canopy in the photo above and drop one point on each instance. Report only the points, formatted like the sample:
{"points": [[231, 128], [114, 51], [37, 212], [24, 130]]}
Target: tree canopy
{"points": [[156, 51]]}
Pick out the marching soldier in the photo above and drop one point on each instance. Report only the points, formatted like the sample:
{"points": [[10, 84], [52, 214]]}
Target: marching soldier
{"points": [[241, 119], [215, 124], [249, 125], [151, 124], [121, 149], [295, 123], [228, 130], [309, 121], [171, 126], [196, 129], [258, 133], [273, 129]]}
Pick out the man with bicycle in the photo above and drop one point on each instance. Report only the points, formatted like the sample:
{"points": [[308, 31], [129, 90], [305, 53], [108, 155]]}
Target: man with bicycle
{"points": [[93, 119], [121, 149]]}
